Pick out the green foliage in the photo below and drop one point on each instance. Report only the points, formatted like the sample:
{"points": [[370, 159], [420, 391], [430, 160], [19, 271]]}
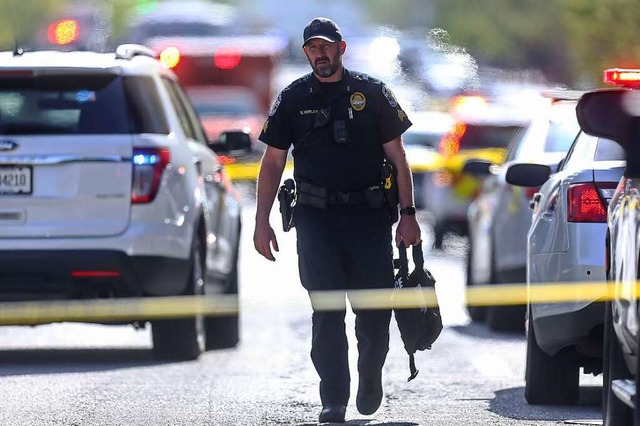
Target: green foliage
{"points": [[20, 19]]}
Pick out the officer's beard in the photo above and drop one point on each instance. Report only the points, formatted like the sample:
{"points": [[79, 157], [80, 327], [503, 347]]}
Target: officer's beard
{"points": [[329, 66]]}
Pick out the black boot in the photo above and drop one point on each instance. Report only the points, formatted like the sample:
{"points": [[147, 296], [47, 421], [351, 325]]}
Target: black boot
{"points": [[369, 394], [332, 414]]}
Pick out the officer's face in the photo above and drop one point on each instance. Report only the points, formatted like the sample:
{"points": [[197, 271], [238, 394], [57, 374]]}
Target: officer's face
{"points": [[324, 57]]}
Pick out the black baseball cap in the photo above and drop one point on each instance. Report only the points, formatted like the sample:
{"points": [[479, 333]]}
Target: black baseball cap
{"points": [[323, 28]]}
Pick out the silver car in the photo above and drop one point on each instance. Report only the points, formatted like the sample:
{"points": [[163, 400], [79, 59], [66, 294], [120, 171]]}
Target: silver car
{"points": [[499, 218], [566, 243]]}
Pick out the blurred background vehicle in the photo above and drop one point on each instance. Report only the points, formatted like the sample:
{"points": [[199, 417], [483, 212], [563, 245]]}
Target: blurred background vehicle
{"points": [[184, 18], [421, 147], [500, 216], [483, 129], [568, 227]]}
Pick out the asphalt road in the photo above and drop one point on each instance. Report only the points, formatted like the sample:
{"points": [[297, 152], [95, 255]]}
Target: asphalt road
{"points": [[78, 374]]}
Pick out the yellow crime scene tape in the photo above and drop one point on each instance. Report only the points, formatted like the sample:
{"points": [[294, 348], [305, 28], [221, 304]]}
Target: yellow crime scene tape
{"points": [[150, 308], [241, 171]]}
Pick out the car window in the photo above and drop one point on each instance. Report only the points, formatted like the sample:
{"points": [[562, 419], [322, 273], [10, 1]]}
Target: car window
{"points": [[561, 135], [194, 121], [183, 116], [608, 150], [581, 153], [85, 104], [148, 114], [421, 139], [488, 136]]}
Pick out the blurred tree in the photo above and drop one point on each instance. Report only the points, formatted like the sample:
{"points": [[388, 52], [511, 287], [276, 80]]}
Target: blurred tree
{"points": [[20, 19], [510, 34], [601, 35]]}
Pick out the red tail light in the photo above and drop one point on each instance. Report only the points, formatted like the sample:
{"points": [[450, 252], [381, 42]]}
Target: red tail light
{"points": [[530, 191], [148, 165], [585, 204], [227, 58], [450, 143]]}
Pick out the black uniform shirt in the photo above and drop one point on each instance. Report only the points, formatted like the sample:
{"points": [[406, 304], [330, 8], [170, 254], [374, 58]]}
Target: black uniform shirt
{"points": [[372, 116]]}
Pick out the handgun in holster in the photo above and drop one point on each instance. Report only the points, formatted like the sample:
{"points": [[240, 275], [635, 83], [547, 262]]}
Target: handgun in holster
{"points": [[391, 197], [286, 198]]}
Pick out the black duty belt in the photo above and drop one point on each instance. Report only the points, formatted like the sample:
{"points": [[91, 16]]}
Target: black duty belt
{"points": [[320, 197]]}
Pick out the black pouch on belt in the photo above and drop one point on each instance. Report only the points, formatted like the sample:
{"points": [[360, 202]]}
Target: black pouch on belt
{"points": [[312, 195], [374, 197]]}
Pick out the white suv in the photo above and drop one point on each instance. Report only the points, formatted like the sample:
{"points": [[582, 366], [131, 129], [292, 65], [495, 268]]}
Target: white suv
{"points": [[109, 189]]}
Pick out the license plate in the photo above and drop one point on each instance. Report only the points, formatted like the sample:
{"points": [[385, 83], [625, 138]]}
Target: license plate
{"points": [[15, 180]]}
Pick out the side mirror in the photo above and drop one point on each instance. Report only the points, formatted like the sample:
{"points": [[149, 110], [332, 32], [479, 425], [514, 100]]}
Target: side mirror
{"points": [[232, 142], [477, 167], [527, 174]]}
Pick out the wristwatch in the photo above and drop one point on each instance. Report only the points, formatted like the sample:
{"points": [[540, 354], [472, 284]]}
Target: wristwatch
{"points": [[408, 210]]}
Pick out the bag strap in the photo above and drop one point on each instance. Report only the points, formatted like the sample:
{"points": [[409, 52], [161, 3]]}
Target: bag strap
{"points": [[418, 256], [412, 368], [403, 267]]}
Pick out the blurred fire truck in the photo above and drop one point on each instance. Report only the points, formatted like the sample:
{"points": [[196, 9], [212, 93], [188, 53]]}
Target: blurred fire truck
{"points": [[229, 79]]}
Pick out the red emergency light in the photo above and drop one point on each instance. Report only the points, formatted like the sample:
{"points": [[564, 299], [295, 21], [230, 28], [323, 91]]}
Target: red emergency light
{"points": [[622, 77], [63, 31]]}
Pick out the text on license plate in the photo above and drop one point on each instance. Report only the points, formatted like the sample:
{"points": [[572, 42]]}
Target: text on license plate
{"points": [[15, 180]]}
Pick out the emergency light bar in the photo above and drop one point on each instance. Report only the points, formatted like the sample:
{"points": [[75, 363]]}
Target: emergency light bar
{"points": [[622, 77]]}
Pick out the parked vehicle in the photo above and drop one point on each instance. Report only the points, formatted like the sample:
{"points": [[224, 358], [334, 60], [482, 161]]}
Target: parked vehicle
{"points": [[109, 190], [568, 227], [615, 114], [500, 216]]}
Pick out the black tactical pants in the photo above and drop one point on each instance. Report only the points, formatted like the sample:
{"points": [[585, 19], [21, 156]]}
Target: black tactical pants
{"points": [[345, 247]]}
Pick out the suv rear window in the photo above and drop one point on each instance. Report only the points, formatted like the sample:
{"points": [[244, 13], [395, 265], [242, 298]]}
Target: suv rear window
{"points": [[71, 104], [484, 136]]}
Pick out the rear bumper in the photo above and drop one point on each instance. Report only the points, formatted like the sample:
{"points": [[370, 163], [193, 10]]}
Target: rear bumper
{"points": [[572, 327], [78, 274]]}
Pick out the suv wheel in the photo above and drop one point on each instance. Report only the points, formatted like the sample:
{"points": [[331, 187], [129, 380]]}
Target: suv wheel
{"points": [[184, 338], [549, 380], [224, 331], [477, 313], [614, 411]]}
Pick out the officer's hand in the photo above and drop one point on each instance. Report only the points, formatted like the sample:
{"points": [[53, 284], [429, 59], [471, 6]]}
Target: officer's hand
{"points": [[263, 238], [408, 231]]}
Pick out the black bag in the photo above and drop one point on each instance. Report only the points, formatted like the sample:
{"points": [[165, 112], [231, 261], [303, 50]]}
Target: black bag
{"points": [[419, 326]]}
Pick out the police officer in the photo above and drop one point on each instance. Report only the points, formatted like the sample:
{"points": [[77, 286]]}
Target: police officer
{"points": [[341, 125]]}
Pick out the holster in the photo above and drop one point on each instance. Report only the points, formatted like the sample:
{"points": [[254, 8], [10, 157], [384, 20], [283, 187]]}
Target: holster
{"points": [[286, 198], [391, 197]]}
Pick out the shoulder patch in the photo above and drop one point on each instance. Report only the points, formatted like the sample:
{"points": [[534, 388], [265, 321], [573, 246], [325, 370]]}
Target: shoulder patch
{"points": [[390, 96], [276, 104]]}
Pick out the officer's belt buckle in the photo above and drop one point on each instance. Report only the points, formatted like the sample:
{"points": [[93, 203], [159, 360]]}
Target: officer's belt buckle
{"points": [[342, 198]]}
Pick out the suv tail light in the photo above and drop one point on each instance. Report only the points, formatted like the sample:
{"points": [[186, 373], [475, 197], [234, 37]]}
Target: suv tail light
{"points": [[148, 164], [531, 191], [588, 203]]}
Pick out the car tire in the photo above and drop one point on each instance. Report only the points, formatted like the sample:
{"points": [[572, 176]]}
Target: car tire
{"points": [[223, 331], [184, 338], [439, 230], [476, 313], [549, 380], [504, 318], [614, 411]]}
